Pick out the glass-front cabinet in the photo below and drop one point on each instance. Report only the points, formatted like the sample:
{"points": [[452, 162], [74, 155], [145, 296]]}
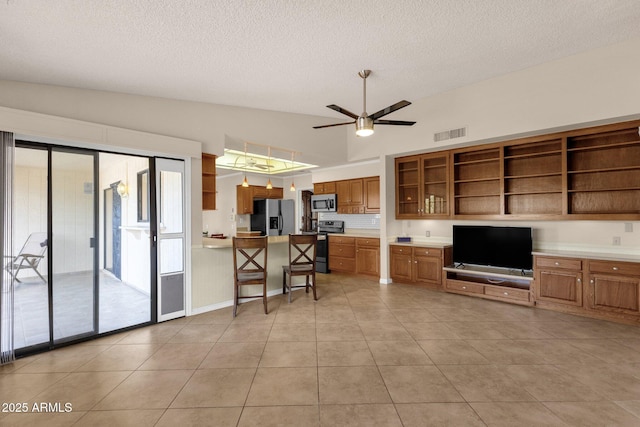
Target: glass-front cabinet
{"points": [[422, 186]]}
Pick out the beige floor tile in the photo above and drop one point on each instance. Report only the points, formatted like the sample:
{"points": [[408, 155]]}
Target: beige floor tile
{"points": [[284, 386], [276, 416], [351, 385], [418, 384], [124, 418], [177, 356], [382, 315], [431, 331], [344, 353], [145, 390], [16, 387], [126, 357], [224, 316], [384, 331], [215, 388], [334, 315], [398, 353], [160, 333], [34, 419], [608, 351], [588, 414], [254, 316], [549, 384], [63, 360], [82, 389], [476, 330], [614, 382], [246, 332], [558, 352], [293, 332], [452, 352], [521, 330], [339, 332], [289, 354], [375, 414], [484, 383], [510, 414], [507, 352], [413, 316], [196, 417], [198, 333], [233, 355], [438, 414], [633, 406]]}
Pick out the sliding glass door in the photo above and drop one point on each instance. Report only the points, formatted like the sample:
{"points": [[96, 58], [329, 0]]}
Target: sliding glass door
{"points": [[73, 244]]}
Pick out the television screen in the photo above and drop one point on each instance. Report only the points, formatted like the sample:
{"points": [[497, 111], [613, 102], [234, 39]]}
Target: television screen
{"points": [[508, 247]]}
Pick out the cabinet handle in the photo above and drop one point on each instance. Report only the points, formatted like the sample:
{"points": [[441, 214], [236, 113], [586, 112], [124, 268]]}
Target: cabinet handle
{"points": [[579, 280], [464, 287], [415, 262], [557, 263], [591, 281], [506, 293], [615, 268]]}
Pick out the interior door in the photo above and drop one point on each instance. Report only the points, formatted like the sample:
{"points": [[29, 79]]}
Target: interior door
{"points": [[74, 247], [171, 238]]}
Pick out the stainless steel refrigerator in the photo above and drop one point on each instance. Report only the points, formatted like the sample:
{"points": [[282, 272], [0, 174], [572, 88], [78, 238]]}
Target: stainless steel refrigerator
{"points": [[273, 217]]}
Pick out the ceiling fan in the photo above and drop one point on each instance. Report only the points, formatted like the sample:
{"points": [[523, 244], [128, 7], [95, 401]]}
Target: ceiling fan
{"points": [[364, 122], [250, 163]]}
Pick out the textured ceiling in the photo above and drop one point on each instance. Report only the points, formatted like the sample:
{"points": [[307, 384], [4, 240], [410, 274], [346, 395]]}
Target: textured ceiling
{"points": [[296, 56]]}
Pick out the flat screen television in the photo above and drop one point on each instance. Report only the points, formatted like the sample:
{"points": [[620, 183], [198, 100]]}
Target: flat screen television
{"points": [[507, 247]]}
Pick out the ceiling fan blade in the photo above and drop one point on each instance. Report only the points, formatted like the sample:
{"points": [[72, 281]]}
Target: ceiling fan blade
{"points": [[394, 122], [335, 124], [343, 111], [390, 109]]}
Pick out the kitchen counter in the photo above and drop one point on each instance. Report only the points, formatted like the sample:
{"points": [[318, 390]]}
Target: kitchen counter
{"points": [[588, 255], [211, 243], [361, 232], [422, 243]]}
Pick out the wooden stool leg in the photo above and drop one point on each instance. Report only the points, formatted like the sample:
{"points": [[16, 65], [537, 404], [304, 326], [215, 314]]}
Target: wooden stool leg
{"points": [[284, 280], [315, 297], [235, 299], [264, 297]]}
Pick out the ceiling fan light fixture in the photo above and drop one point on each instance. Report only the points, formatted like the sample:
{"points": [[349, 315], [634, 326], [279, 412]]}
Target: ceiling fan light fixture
{"points": [[364, 126], [269, 184], [245, 183]]}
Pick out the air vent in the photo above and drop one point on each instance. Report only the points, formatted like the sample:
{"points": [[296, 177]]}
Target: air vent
{"points": [[449, 134]]}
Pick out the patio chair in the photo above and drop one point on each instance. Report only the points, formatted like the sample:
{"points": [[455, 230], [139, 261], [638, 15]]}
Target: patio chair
{"points": [[29, 256]]}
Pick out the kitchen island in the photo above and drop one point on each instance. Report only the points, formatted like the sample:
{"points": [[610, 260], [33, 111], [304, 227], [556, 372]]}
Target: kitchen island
{"points": [[213, 272]]}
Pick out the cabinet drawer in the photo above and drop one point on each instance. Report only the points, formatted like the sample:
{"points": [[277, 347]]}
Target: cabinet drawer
{"points": [[342, 240], [613, 267], [455, 285], [370, 243], [503, 292], [342, 264], [553, 262], [346, 251], [427, 252], [406, 250]]}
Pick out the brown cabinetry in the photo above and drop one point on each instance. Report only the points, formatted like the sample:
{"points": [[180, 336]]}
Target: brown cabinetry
{"points": [[371, 194], [360, 255], [592, 287], [418, 264], [591, 173], [246, 195], [208, 182], [324, 187], [350, 196], [489, 283], [422, 188]]}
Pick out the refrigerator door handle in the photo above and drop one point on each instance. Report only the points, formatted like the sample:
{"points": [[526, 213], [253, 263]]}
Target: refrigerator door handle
{"points": [[280, 223]]}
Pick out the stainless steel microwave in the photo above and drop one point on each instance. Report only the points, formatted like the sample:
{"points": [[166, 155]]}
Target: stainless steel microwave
{"points": [[324, 203]]}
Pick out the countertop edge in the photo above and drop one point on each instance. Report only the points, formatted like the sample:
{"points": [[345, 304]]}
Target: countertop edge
{"points": [[608, 256]]}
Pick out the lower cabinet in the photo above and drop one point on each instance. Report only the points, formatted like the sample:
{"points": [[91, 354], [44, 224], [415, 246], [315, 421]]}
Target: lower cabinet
{"points": [[418, 264], [489, 285], [357, 255], [593, 287]]}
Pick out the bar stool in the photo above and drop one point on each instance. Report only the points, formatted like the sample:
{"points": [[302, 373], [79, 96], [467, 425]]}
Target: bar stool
{"points": [[252, 253], [303, 248]]}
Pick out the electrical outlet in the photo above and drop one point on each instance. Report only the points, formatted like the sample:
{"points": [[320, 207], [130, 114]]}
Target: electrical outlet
{"points": [[616, 240], [427, 233]]}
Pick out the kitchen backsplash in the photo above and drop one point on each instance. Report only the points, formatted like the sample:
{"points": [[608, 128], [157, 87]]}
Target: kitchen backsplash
{"points": [[371, 221]]}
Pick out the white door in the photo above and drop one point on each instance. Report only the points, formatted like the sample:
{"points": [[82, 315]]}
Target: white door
{"points": [[170, 205]]}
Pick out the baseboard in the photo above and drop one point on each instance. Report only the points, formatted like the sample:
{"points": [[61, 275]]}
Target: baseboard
{"points": [[386, 281], [229, 303]]}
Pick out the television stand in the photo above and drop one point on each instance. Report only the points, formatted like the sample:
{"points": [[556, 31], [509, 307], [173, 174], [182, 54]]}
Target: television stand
{"points": [[501, 284]]}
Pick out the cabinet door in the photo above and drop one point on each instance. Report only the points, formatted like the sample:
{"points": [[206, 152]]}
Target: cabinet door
{"points": [[372, 195], [275, 193], [356, 192], [427, 269], [344, 193], [244, 197], [368, 261], [401, 266], [408, 187], [564, 287], [614, 293]]}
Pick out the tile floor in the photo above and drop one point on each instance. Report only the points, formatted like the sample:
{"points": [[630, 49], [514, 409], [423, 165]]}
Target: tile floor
{"points": [[362, 355]]}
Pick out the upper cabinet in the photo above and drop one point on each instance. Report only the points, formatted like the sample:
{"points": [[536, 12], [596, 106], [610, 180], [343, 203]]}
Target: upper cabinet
{"points": [[591, 173], [208, 182], [422, 188], [355, 196], [246, 195]]}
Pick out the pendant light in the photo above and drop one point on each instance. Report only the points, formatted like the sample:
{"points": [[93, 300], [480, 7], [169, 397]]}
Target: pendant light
{"points": [[245, 183], [269, 185], [293, 186]]}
